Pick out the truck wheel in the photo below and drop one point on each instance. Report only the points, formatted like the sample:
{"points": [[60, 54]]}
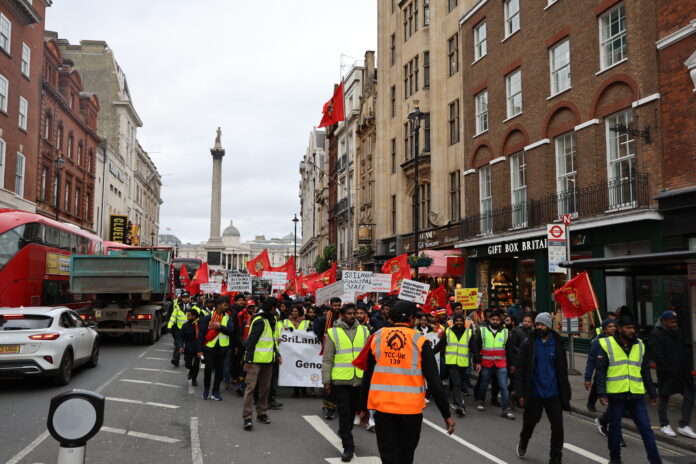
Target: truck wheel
{"points": [[158, 327], [65, 370]]}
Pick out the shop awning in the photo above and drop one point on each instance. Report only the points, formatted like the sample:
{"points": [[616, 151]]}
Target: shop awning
{"points": [[439, 266], [667, 263]]}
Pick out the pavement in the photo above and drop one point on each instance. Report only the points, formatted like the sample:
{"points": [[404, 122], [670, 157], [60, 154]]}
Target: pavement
{"points": [[154, 416]]}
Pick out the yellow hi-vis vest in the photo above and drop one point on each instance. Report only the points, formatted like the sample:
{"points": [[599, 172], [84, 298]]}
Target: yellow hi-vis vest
{"points": [[224, 339], [287, 325], [457, 350], [178, 317], [264, 351], [623, 374], [346, 352]]}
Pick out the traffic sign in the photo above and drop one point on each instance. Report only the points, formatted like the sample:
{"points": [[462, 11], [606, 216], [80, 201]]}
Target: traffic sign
{"points": [[567, 219], [555, 232]]}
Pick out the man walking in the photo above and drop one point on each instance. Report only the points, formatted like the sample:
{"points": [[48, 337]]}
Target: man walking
{"points": [[455, 344], [216, 331], [608, 330], [344, 342], [320, 327], [623, 377], [541, 382], [177, 320], [668, 348]]}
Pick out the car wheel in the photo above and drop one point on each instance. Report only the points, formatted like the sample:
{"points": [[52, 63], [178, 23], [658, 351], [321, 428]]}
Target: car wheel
{"points": [[94, 359], [65, 369]]}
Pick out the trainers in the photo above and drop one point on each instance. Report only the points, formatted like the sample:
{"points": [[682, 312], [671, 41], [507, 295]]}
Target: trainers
{"points": [[667, 430], [274, 404], [371, 425], [480, 406], [507, 414], [427, 401], [216, 396], [248, 424], [347, 455], [194, 383], [263, 418], [356, 420], [521, 450], [602, 429], [622, 442], [174, 363], [459, 412], [329, 414], [206, 394], [687, 431]]}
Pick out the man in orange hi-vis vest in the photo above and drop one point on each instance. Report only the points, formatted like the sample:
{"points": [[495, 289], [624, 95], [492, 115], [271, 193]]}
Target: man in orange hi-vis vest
{"points": [[400, 362]]}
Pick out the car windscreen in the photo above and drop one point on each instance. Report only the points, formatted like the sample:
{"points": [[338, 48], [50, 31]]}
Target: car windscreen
{"points": [[24, 322]]}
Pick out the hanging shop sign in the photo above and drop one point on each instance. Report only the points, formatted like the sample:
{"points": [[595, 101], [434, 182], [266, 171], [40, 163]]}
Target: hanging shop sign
{"points": [[437, 238]]}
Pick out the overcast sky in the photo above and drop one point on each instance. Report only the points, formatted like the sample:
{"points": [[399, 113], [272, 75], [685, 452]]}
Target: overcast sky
{"points": [[260, 69]]}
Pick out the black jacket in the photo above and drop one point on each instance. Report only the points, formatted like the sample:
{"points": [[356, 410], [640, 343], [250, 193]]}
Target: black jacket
{"points": [[603, 366], [186, 337], [225, 329], [255, 332], [672, 360], [517, 337], [524, 369]]}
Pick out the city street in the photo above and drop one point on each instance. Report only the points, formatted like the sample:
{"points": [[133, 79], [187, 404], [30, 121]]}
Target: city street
{"points": [[152, 416]]}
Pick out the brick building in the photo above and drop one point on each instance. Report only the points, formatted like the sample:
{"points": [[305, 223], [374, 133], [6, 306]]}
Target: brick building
{"points": [[21, 49], [561, 116], [68, 142]]}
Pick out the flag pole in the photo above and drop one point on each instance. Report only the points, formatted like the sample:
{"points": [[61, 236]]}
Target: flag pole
{"points": [[569, 274]]}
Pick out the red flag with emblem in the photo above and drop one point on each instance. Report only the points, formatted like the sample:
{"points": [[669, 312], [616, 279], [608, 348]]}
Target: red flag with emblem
{"points": [[288, 268], [437, 298], [455, 265], [577, 296], [399, 269], [333, 109], [184, 276], [257, 265]]}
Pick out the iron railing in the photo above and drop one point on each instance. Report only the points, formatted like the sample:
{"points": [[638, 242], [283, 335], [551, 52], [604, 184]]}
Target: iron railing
{"points": [[592, 200], [341, 206]]}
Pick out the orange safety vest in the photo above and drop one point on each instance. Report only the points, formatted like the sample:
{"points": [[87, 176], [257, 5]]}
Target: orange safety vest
{"points": [[398, 385]]}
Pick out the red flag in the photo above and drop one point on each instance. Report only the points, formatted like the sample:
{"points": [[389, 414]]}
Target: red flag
{"points": [[577, 296], [184, 276], [361, 361], [312, 282], [437, 299], [333, 109], [399, 269], [257, 265], [298, 285], [455, 265], [202, 274], [288, 268], [327, 277]]}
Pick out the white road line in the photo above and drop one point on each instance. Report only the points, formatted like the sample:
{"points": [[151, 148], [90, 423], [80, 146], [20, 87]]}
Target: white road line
{"points": [[163, 351], [196, 453], [168, 385], [147, 351], [471, 446], [132, 433], [101, 387], [158, 359], [28, 449], [325, 431], [147, 403], [585, 453], [165, 371]]}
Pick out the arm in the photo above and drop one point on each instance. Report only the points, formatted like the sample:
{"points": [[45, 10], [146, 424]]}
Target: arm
{"points": [[510, 357], [591, 360], [601, 373], [441, 344], [367, 379], [327, 361], [476, 346], [521, 368], [229, 329], [202, 330], [647, 379], [432, 377], [255, 332]]}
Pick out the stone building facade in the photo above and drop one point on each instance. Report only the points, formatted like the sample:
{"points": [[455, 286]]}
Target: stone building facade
{"points": [[314, 217]]}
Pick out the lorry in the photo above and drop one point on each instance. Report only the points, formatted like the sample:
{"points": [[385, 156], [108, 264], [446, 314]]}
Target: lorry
{"points": [[129, 289]]}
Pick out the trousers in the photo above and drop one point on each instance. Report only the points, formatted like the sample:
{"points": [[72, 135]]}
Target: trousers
{"points": [[176, 356], [213, 359], [397, 436], [192, 363], [499, 373], [639, 414], [533, 409], [347, 399], [457, 377], [258, 373], [686, 409]]}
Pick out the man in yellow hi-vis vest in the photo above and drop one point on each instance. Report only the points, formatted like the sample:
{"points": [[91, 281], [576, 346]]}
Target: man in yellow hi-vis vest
{"points": [[216, 331], [344, 342], [623, 378], [454, 346]]}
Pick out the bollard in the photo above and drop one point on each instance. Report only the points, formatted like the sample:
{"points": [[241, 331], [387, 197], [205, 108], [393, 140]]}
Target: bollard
{"points": [[73, 418]]}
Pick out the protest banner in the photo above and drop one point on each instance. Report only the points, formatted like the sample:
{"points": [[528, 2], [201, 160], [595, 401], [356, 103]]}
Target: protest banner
{"points": [[347, 298], [238, 282], [381, 283], [211, 288], [278, 279], [301, 365], [414, 291], [357, 281], [324, 294], [434, 338], [261, 287], [468, 297]]}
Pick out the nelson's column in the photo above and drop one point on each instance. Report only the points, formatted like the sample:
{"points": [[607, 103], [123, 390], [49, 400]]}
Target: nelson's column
{"points": [[215, 246]]}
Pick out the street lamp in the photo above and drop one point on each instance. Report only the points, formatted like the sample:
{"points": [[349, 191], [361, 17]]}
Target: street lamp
{"points": [[152, 238], [295, 220], [415, 117], [59, 162]]}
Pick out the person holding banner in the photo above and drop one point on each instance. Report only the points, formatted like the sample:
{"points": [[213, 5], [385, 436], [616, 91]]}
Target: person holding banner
{"points": [[455, 344], [341, 378], [296, 320]]}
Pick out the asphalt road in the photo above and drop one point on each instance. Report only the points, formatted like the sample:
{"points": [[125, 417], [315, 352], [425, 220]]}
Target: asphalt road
{"points": [[153, 416]]}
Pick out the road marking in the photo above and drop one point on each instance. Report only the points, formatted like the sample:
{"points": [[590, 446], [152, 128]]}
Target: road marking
{"points": [[28, 449], [146, 351], [326, 432], [164, 351], [471, 446], [587, 454], [196, 453], [147, 436], [158, 359], [147, 403], [101, 387], [168, 385], [158, 370]]}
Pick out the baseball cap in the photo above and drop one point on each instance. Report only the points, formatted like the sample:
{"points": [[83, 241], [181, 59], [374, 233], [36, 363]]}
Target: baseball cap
{"points": [[669, 314]]}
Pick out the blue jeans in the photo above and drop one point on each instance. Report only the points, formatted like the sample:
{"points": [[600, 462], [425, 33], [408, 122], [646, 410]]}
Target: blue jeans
{"points": [[639, 414], [501, 375]]}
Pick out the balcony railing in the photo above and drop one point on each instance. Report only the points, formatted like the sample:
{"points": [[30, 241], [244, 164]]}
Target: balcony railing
{"points": [[341, 206], [593, 200]]}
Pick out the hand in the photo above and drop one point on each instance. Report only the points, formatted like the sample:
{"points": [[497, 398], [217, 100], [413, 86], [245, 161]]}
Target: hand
{"points": [[449, 424], [520, 400], [327, 388], [653, 401], [280, 361], [215, 325], [477, 367], [512, 369], [604, 400], [246, 367], [181, 350], [587, 385], [199, 354], [364, 415]]}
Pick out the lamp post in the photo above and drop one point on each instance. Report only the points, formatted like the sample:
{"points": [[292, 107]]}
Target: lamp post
{"points": [[152, 238], [59, 163], [295, 220], [415, 117]]}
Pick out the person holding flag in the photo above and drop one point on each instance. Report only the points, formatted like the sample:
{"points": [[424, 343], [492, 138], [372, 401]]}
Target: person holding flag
{"points": [[399, 269], [216, 331]]}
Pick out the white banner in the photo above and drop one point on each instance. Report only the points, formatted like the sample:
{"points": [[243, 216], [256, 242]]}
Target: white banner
{"points": [[239, 283], [211, 288], [357, 281], [323, 295], [414, 291], [301, 359], [381, 283], [278, 279], [434, 338]]}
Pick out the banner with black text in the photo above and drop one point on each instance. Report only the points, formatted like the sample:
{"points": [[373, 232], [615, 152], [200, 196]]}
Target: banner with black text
{"points": [[301, 359]]}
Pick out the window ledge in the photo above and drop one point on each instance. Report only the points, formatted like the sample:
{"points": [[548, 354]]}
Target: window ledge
{"points": [[508, 36], [23, 129], [610, 67], [558, 93], [513, 117], [8, 54], [26, 77], [480, 133], [3, 112], [550, 5], [478, 59]]}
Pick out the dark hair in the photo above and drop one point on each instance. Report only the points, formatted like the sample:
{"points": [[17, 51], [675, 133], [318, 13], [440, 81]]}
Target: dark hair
{"points": [[456, 304], [335, 300], [220, 300], [346, 307], [496, 313], [299, 308], [512, 316], [238, 296], [530, 314], [626, 320], [269, 304], [611, 313]]}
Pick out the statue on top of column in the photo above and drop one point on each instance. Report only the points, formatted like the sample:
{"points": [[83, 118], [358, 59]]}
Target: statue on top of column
{"points": [[218, 139]]}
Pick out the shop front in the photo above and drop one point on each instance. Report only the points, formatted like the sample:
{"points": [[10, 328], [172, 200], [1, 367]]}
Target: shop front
{"points": [[447, 265]]}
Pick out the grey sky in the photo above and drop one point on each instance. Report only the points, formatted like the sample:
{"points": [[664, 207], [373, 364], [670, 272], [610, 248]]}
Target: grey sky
{"points": [[260, 69]]}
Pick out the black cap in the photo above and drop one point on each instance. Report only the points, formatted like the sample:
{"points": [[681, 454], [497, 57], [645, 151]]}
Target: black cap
{"points": [[184, 294]]}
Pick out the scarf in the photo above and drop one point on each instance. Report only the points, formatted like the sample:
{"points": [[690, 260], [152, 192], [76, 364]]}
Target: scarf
{"points": [[212, 333]]}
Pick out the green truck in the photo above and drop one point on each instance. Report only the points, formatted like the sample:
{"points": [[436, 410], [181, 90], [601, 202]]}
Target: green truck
{"points": [[129, 290]]}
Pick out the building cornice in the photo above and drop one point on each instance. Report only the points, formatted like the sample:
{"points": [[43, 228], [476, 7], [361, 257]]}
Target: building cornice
{"points": [[131, 110], [467, 16], [24, 11], [676, 36]]}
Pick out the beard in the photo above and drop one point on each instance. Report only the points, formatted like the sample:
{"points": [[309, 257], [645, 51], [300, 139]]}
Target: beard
{"points": [[541, 332]]}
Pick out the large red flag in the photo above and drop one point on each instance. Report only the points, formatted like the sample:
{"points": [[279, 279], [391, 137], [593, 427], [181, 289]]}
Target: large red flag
{"points": [[199, 277], [437, 299], [288, 268], [399, 269], [577, 296], [312, 282], [333, 109], [257, 265]]}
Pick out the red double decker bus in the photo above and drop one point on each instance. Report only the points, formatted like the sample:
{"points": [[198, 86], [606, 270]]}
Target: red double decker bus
{"points": [[35, 258]]}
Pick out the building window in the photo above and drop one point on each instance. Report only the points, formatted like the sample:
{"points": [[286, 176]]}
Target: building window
{"points": [[44, 179], [455, 195], [392, 49], [4, 92], [416, 70], [512, 17], [393, 156], [393, 101], [485, 200], [55, 190], [559, 57], [23, 113], [451, 5], [612, 36], [566, 174], [405, 81], [79, 154], [393, 214], [410, 19], [453, 54], [406, 147], [77, 202], [48, 123], [26, 59], [88, 205], [621, 152], [513, 88], [480, 40], [66, 199], [481, 112], [90, 155], [5, 33], [59, 138], [70, 145], [19, 176], [426, 69], [454, 122], [3, 149], [426, 12], [423, 206], [426, 133], [518, 187]]}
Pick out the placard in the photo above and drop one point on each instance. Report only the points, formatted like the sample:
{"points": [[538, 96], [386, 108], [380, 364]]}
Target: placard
{"points": [[556, 238], [301, 365], [434, 338], [468, 297], [239, 283], [414, 291], [278, 279], [571, 325], [118, 228], [211, 288], [57, 264], [357, 281], [381, 283], [323, 295]]}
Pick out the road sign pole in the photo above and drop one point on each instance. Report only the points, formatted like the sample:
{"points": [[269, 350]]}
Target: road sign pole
{"points": [[571, 344]]}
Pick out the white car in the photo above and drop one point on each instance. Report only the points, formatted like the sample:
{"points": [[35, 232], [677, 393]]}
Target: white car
{"points": [[45, 341]]}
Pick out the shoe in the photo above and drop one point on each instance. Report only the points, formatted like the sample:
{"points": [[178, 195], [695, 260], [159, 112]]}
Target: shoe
{"points": [[602, 429], [206, 394], [687, 431], [263, 418], [188, 376], [194, 383], [248, 424], [521, 449], [555, 461], [622, 442], [216, 396], [667, 430], [591, 408], [371, 425], [458, 411], [356, 420], [480, 406], [507, 414], [615, 462], [174, 363], [347, 456], [427, 401], [275, 405], [329, 414]]}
